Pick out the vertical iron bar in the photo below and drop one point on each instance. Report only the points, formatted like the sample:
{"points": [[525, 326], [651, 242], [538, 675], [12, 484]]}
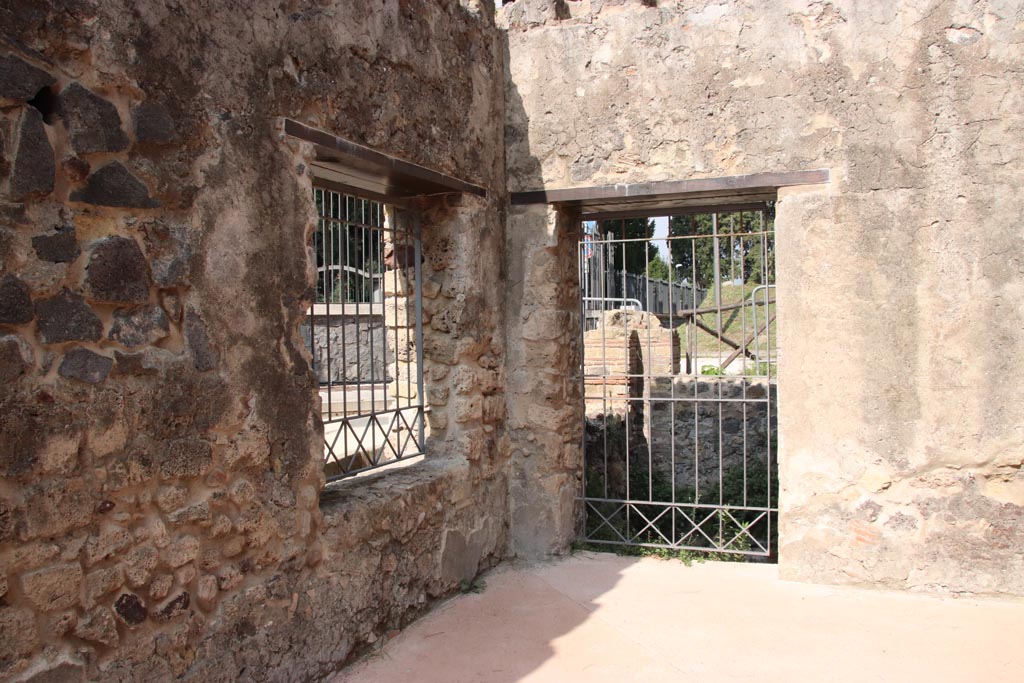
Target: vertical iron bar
{"points": [[649, 375], [720, 379], [581, 262], [743, 356], [604, 355], [328, 243], [347, 421], [418, 288], [629, 398], [407, 236], [768, 389], [369, 264], [673, 334], [696, 373], [394, 219]]}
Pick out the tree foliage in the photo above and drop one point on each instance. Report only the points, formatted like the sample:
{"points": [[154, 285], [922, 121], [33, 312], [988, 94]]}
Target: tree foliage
{"points": [[635, 255], [740, 255], [657, 269], [750, 258]]}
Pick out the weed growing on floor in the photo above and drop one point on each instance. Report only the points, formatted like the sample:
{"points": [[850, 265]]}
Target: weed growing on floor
{"points": [[477, 585]]}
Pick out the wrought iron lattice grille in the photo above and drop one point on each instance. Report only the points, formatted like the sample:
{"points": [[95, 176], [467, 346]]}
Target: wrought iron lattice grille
{"points": [[679, 360], [365, 333]]}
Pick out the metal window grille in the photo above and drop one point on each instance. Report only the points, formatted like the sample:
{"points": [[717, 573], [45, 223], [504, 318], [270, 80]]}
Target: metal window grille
{"points": [[680, 384], [365, 333]]}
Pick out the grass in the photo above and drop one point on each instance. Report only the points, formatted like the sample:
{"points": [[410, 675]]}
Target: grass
{"points": [[735, 322]]}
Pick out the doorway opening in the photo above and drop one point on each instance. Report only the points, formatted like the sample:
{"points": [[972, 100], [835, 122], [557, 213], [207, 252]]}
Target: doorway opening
{"points": [[680, 350]]}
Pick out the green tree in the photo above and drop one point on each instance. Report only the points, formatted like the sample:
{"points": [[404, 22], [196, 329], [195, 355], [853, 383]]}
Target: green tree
{"points": [[635, 255], [657, 269], [697, 255], [739, 254]]}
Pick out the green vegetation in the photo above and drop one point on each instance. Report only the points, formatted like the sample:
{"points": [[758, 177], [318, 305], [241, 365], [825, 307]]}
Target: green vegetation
{"points": [[737, 324], [687, 557], [652, 485], [740, 255], [635, 255], [657, 269]]}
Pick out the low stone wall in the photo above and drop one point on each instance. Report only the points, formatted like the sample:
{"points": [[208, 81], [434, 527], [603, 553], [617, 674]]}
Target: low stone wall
{"points": [[391, 546], [693, 445], [701, 440], [350, 339]]}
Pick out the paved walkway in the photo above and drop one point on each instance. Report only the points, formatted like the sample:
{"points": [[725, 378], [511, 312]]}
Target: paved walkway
{"points": [[597, 617]]}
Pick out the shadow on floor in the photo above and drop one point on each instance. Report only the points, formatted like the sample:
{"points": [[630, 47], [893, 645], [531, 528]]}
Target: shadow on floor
{"points": [[599, 617], [508, 631]]}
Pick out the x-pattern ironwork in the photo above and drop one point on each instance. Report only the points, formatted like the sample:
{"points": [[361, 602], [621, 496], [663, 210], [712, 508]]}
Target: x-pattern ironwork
{"points": [[365, 450], [687, 528]]}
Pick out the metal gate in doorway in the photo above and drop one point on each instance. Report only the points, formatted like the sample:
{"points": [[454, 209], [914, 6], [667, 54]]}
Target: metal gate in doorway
{"points": [[679, 371]]}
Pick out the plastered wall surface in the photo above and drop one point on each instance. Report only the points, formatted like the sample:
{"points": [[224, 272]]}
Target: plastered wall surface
{"points": [[901, 440], [161, 513]]}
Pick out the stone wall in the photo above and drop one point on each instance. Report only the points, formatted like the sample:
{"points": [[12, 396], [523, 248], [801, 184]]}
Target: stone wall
{"points": [[707, 438], [160, 467], [545, 396], [350, 340], [901, 442]]}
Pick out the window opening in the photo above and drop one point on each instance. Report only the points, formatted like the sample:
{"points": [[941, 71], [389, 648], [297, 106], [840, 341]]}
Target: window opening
{"points": [[365, 333]]}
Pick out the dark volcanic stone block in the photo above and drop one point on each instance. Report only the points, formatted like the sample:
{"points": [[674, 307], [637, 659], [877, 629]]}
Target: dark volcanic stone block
{"points": [[85, 366], [174, 607], [59, 247], [19, 80], [15, 301], [169, 252], [66, 317], [139, 325], [117, 272], [153, 124], [12, 361], [33, 162], [114, 185], [93, 122], [130, 608], [204, 355]]}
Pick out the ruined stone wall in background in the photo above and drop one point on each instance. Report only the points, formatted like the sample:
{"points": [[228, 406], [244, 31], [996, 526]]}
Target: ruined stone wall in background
{"points": [[160, 457], [901, 437]]}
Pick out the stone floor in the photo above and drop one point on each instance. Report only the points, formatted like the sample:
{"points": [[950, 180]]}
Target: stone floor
{"points": [[597, 617]]}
